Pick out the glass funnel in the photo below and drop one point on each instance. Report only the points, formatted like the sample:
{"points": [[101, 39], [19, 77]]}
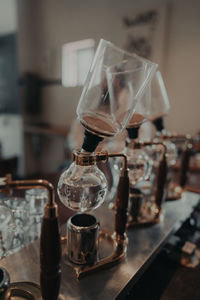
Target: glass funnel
{"points": [[159, 104], [154, 103], [82, 187], [115, 83]]}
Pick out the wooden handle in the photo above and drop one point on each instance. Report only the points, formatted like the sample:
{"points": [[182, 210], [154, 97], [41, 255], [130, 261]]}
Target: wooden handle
{"points": [[50, 256], [161, 180], [185, 160], [122, 204]]}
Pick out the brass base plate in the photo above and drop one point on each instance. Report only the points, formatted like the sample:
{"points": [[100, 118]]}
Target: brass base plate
{"points": [[174, 192], [145, 222], [111, 251]]}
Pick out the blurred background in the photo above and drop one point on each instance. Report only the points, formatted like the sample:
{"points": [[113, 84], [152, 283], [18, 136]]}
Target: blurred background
{"points": [[46, 48]]}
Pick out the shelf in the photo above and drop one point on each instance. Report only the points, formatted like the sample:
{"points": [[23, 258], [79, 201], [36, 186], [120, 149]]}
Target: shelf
{"points": [[46, 130]]}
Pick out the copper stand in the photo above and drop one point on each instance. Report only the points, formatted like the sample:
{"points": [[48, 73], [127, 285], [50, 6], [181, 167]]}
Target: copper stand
{"points": [[117, 239], [50, 245]]}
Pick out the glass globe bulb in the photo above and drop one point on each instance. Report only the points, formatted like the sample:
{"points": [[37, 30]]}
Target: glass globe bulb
{"points": [[139, 165], [82, 188], [172, 153]]}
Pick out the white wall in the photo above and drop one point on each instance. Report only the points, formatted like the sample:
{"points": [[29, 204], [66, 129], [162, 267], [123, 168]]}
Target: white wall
{"points": [[8, 16], [44, 26], [182, 72], [11, 138]]}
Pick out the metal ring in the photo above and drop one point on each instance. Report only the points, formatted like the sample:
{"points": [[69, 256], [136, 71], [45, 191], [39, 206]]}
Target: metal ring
{"points": [[83, 159], [26, 290]]}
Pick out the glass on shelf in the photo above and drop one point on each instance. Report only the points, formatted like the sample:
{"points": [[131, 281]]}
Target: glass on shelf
{"points": [[7, 229], [27, 215], [21, 219], [36, 200]]}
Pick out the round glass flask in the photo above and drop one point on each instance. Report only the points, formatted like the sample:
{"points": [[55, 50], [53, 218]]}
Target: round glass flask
{"points": [[83, 186]]}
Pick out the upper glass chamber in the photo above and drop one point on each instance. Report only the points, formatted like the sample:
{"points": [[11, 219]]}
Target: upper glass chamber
{"points": [[115, 83], [154, 103]]}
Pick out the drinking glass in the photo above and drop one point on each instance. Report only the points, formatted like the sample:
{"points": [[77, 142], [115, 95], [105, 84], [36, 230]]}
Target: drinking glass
{"points": [[36, 200], [7, 228], [21, 219]]}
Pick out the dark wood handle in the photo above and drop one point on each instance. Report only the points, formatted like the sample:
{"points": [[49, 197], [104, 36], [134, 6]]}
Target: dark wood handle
{"points": [[161, 180], [122, 204], [50, 257], [185, 160]]}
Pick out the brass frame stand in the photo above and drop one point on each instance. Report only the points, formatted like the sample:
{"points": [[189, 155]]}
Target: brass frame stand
{"points": [[118, 238]]}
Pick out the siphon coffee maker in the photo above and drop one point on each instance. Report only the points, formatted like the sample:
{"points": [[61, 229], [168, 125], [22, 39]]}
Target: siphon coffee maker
{"points": [[114, 85], [147, 179], [154, 104], [183, 147], [83, 189], [147, 196]]}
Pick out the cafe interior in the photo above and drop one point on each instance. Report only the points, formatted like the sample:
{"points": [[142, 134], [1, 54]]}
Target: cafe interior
{"points": [[99, 149]]}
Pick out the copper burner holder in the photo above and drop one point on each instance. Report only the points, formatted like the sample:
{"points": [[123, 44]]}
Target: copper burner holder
{"points": [[112, 249]]}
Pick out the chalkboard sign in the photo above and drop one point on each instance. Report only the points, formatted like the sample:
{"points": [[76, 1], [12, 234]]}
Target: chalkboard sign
{"points": [[9, 92]]}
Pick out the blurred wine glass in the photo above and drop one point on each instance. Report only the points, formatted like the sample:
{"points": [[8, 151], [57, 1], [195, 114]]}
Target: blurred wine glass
{"points": [[7, 228], [21, 219]]}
